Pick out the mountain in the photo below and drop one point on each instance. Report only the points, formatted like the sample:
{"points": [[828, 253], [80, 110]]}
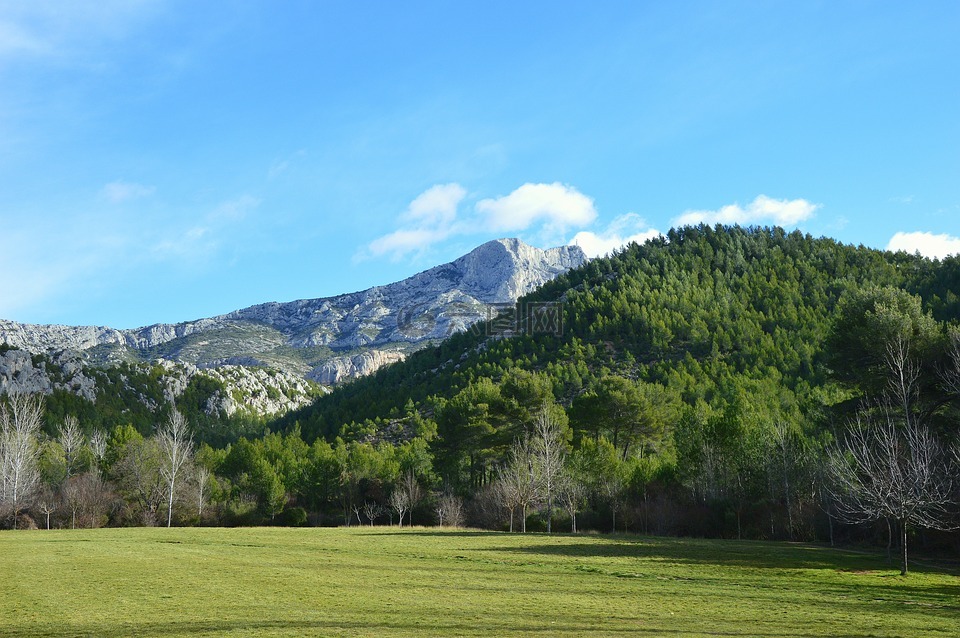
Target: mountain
{"points": [[330, 339], [705, 312]]}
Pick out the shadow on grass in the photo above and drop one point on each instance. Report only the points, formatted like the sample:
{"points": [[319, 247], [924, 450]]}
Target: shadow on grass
{"points": [[329, 627], [727, 553]]}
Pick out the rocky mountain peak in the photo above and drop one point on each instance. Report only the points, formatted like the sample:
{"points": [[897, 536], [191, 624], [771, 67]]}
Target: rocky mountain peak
{"points": [[326, 338]]}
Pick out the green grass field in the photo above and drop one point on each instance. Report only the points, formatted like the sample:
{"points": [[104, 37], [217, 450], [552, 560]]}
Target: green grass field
{"points": [[380, 581]]}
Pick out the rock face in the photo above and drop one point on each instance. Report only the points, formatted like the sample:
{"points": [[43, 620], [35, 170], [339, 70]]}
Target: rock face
{"points": [[339, 369], [329, 339], [21, 372], [255, 391]]}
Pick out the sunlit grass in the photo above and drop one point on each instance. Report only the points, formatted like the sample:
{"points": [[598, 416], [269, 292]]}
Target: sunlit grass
{"points": [[380, 581]]}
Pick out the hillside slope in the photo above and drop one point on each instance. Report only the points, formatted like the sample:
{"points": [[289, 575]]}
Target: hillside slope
{"points": [[703, 310]]}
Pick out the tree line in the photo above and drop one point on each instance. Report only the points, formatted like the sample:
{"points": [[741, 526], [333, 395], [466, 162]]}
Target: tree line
{"points": [[718, 382]]}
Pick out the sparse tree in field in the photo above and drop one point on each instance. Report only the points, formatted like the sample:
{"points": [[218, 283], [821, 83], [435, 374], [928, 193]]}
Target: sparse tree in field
{"points": [[20, 423], [550, 452], [572, 493], [399, 501], [450, 506], [887, 468], [47, 503], [372, 510], [519, 480], [88, 498], [71, 441], [176, 448], [504, 494], [412, 494]]}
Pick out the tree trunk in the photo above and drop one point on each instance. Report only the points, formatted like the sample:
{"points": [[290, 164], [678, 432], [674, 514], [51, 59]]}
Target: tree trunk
{"points": [[511, 520], [889, 542], [903, 547], [549, 512], [523, 525]]}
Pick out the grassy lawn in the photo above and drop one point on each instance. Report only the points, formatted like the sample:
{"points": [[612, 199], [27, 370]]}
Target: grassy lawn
{"points": [[379, 581]]}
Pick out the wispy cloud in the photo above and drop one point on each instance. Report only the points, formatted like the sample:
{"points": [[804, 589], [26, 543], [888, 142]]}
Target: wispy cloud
{"points": [[927, 244], [430, 218], [762, 210], [202, 239], [119, 191], [621, 231], [64, 30], [280, 166]]}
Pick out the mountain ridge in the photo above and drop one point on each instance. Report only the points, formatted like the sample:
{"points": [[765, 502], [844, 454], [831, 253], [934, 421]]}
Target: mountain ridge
{"points": [[303, 336]]}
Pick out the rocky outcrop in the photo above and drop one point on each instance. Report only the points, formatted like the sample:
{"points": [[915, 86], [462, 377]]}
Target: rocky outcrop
{"points": [[310, 337], [256, 391], [339, 369], [23, 373]]}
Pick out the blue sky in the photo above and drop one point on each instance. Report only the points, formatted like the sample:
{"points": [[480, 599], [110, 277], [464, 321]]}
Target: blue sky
{"points": [[165, 161]]}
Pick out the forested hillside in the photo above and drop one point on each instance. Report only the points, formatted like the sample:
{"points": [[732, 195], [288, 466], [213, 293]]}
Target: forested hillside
{"points": [[698, 384], [716, 363]]}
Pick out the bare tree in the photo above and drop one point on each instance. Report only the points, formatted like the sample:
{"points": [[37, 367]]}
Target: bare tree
{"points": [[71, 441], [450, 506], [88, 498], [372, 510], [505, 494], [520, 480], [176, 448], [550, 453], [47, 503], [572, 493], [20, 423], [892, 468], [411, 486], [98, 445], [399, 501]]}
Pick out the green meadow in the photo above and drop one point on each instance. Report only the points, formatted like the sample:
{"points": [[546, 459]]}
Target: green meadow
{"points": [[419, 582]]}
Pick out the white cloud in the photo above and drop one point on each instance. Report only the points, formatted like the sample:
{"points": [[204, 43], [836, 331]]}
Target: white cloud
{"points": [[557, 205], [762, 210], [119, 191], [430, 217], [622, 231], [435, 215], [927, 244], [436, 205]]}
